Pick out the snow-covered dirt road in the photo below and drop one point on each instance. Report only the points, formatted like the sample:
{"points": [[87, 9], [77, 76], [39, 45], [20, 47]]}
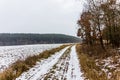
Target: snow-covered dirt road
{"points": [[63, 65]]}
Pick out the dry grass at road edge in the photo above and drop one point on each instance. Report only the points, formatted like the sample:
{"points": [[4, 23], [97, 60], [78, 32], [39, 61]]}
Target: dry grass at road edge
{"points": [[88, 66]]}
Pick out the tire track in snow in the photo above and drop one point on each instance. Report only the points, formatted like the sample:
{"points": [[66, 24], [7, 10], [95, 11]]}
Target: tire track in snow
{"points": [[59, 70], [42, 67], [74, 71]]}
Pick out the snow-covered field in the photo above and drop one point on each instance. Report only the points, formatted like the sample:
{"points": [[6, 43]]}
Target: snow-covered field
{"points": [[10, 54], [63, 65]]}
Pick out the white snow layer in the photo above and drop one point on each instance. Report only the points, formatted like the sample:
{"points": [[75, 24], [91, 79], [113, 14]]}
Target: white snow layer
{"points": [[42, 67], [74, 72], [60, 66], [10, 54]]}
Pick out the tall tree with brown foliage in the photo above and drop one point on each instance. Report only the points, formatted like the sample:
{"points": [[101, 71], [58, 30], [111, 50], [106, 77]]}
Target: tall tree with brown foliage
{"points": [[100, 20]]}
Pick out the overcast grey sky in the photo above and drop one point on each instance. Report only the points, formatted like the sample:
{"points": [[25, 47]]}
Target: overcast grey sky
{"points": [[39, 16]]}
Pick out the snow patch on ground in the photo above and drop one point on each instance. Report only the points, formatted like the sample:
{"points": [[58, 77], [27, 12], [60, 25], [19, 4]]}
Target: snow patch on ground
{"points": [[109, 65]]}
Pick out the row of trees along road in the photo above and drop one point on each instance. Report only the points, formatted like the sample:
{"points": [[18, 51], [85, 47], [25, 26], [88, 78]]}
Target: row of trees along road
{"points": [[100, 23]]}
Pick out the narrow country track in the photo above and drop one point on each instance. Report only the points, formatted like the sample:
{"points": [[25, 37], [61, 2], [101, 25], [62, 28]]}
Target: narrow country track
{"points": [[63, 65]]}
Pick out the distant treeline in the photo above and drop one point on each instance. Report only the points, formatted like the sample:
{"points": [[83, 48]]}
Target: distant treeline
{"points": [[22, 39]]}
